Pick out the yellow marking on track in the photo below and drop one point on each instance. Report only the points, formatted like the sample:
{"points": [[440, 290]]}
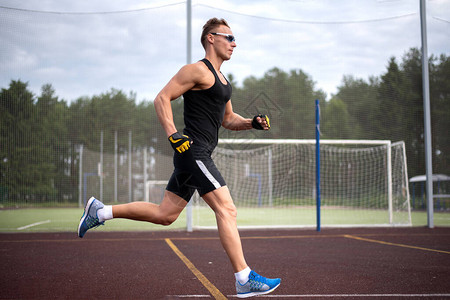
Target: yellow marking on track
{"points": [[211, 288], [393, 244]]}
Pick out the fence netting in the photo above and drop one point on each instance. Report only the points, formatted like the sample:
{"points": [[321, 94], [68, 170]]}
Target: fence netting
{"points": [[76, 111]]}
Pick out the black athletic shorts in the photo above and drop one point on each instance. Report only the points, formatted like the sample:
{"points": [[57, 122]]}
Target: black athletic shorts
{"points": [[194, 170]]}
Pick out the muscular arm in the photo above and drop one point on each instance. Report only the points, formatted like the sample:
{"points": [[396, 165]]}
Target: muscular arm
{"points": [[187, 77], [234, 121]]}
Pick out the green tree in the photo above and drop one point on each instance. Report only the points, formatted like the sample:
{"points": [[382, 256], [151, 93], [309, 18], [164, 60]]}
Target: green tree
{"points": [[440, 107], [109, 112], [54, 140], [391, 107], [40, 135], [360, 99], [391, 100], [25, 171], [338, 123], [288, 99]]}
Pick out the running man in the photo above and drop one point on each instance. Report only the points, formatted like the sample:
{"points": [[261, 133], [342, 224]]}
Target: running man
{"points": [[207, 106]]}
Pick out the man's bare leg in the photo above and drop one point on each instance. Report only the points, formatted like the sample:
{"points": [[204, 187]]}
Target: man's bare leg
{"points": [[96, 213], [248, 282], [165, 213], [222, 204]]}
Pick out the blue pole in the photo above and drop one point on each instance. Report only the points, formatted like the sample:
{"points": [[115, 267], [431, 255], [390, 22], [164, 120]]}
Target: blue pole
{"points": [[318, 163]]}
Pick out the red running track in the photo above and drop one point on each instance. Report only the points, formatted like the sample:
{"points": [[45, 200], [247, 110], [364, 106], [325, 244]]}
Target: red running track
{"points": [[369, 263]]}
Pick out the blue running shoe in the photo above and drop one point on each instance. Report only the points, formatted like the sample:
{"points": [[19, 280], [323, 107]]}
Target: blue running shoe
{"points": [[90, 218], [256, 285]]}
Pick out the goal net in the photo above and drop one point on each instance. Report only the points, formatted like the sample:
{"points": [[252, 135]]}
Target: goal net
{"points": [[272, 182]]}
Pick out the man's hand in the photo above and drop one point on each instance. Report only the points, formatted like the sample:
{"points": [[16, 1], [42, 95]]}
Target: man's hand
{"points": [[261, 122], [180, 142]]}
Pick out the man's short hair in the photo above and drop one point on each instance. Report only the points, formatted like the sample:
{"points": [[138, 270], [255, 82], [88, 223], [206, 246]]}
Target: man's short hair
{"points": [[210, 25]]}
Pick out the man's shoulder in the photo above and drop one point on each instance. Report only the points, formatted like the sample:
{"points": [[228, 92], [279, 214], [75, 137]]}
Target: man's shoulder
{"points": [[198, 67], [198, 72]]}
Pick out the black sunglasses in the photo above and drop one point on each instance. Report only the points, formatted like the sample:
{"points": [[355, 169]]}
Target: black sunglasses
{"points": [[229, 37]]}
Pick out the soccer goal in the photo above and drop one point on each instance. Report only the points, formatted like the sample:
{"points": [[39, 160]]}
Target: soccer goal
{"points": [[272, 182]]}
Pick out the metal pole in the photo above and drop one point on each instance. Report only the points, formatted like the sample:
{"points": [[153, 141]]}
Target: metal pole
{"points": [[189, 212], [389, 182], [80, 176], [189, 32], [318, 164], [269, 170], [427, 115], [101, 166], [146, 191], [115, 166], [406, 183], [130, 175]]}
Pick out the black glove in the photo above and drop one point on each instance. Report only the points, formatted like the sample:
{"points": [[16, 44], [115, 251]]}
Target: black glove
{"points": [[180, 142], [257, 125]]}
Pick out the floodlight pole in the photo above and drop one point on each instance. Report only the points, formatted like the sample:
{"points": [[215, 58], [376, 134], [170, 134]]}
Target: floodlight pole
{"points": [[189, 32], [80, 177], [130, 173], [115, 166], [100, 169], [189, 217], [318, 204], [427, 117]]}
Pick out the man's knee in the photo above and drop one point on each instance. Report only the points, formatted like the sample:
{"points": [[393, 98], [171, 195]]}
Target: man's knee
{"points": [[167, 220], [170, 208], [228, 210], [232, 211]]}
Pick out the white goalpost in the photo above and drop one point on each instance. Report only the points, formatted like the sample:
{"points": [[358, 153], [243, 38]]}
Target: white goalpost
{"points": [[272, 182]]}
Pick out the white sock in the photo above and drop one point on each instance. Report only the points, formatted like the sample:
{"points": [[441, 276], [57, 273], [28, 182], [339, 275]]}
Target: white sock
{"points": [[105, 213], [242, 276]]}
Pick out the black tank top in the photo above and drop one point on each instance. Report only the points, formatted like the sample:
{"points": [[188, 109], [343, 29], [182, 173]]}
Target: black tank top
{"points": [[204, 111]]}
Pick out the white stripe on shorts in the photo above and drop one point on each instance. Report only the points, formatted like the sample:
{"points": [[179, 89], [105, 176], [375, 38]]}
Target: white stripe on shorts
{"points": [[208, 175]]}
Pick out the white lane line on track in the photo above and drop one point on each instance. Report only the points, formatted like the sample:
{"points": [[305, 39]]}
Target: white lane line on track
{"points": [[355, 295], [325, 296], [34, 224]]}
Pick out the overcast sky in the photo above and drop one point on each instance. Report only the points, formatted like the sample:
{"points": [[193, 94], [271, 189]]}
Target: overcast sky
{"points": [[84, 48]]}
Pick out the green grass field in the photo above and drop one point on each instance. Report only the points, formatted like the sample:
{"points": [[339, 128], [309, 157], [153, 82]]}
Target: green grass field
{"points": [[66, 219]]}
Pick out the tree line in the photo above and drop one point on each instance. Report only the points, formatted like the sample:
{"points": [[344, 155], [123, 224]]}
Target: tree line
{"points": [[40, 134]]}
